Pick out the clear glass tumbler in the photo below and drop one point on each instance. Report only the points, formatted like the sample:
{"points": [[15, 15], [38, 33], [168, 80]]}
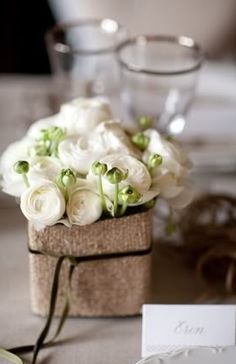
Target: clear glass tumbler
{"points": [[83, 57], [159, 75]]}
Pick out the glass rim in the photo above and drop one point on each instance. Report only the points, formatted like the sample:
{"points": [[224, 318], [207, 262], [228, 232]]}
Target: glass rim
{"points": [[62, 47], [182, 41]]}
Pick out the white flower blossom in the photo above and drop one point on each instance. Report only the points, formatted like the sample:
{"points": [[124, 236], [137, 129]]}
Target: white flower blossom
{"points": [[43, 204], [84, 206], [171, 176], [77, 154], [11, 182], [138, 175], [112, 138], [44, 168], [82, 115], [158, 169], [35, 128]]}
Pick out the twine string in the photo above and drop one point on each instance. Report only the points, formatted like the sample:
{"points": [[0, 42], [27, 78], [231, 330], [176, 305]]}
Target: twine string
{"points": [[208, 228]]}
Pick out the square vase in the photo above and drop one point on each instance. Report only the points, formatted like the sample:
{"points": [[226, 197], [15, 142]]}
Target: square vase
{"points": [[106, 287]]}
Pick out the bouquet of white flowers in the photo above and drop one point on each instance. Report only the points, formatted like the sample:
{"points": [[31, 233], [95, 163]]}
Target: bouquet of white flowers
{"points": [[87, 186], [81, 165]]}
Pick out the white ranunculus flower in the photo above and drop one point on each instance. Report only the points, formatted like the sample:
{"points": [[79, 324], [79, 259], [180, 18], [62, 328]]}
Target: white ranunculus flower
{"points": [[11, 182], [175, 191], [171, 175], [138, 175], [183, 199], [43, 204], [173, 159], [77, 154], [80, 152], [35, 128], [83, 206], [44, 168], [112, 138], [82, 115], [15, 151]]}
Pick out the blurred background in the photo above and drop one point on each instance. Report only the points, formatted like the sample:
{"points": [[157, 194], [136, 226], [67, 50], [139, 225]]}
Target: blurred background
{"points": [[23, 24]]}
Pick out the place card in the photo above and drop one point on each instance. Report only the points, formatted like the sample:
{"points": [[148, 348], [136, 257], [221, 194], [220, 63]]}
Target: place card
{"points": [[169, 327]]}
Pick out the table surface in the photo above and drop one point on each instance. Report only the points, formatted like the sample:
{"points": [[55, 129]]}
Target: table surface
{"points": [[82, 340]]}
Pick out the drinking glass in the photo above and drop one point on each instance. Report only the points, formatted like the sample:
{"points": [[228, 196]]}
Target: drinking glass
{"points": [[159, 75], [83, 58]]}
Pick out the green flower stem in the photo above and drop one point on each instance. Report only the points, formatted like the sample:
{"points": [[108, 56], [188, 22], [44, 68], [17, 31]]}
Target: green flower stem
{"points": [[101, 193], [123, 208], [66, 195], [116, 198], [170, 227], [26, 180]]}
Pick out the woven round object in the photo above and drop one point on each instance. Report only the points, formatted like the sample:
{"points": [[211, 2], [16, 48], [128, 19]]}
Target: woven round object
{"points": [[106, 287]]}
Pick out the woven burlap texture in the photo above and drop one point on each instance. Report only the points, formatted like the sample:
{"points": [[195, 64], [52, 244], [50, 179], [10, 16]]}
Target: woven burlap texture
{"points": [[109, 287]]}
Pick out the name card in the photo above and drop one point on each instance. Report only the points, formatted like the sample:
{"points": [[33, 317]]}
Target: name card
{"points": [[170, 327]]}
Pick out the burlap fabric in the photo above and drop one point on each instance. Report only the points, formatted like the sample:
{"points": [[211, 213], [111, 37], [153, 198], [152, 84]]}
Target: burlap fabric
{"points": [[109, 287]]}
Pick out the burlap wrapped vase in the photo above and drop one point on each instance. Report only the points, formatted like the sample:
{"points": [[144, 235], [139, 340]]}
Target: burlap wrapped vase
{"points": [[115, 285]]}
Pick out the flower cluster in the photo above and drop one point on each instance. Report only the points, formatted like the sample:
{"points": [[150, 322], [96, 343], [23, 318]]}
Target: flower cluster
{"points": [[81, 164]]}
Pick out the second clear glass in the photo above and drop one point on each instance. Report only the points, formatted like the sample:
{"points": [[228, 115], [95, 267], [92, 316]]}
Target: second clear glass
{"points": [[159, 75]]}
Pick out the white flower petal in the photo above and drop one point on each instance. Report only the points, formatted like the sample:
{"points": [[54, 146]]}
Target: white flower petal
{"points": [[183, 199], [169, 186], [147, 196], [35, 128]]}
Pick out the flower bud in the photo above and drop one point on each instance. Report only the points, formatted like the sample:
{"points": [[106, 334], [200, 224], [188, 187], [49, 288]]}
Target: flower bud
{"points": [[140, 140], [21, 167], [99, 169], [67, 178], [150, 204], [129, 195], [115, 175], [53, 133], [154, 160], [39, 150], [145, 122]]}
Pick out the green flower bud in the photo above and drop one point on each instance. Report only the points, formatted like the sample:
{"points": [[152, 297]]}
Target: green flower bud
{"points": [[169, 138], [53, 133], [21, 167], [99, 169], [154, 160], [150, 204], [39, 150], [48, 142], [129, 195], [145, 122], [140, 140], [115, 175], [67, 177]]}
